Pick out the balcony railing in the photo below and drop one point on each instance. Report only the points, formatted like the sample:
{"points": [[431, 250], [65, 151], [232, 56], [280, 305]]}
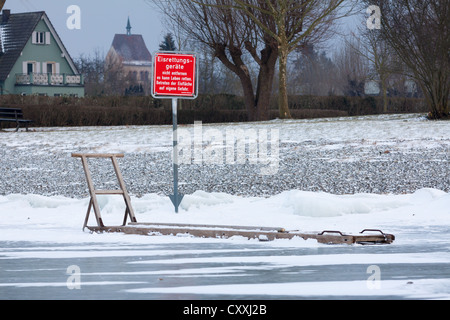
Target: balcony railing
{"points": [[50, 79]]}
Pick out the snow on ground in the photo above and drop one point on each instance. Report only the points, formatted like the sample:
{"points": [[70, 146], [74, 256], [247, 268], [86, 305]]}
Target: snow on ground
{"points": [[58, 219], [40, 235], [403, 131], [377, 154]]}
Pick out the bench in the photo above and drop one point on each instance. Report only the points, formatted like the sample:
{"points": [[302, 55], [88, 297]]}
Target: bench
{"points": [[13, 115]]}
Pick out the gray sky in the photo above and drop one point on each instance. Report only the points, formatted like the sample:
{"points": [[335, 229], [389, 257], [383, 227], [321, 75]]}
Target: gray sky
{"points": [[100, 20]]}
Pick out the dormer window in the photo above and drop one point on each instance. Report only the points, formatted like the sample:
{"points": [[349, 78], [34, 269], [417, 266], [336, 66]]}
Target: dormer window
{"points": [[40, 37]]}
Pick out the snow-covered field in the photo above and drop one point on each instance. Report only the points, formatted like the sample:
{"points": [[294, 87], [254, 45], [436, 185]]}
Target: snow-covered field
{"points": [[41, 242]]}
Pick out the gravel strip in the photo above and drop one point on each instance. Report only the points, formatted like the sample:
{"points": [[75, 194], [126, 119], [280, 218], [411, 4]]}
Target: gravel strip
{"points": [[318, 166]]}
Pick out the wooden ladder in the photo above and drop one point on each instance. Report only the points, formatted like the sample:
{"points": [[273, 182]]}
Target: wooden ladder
{"points": [[93, 203]]}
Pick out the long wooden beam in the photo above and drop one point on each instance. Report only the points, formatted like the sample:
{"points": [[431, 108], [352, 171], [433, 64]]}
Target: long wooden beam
{"points": [[259, 233]]}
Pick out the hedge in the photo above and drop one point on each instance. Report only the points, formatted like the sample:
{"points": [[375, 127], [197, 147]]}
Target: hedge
{"points": [[119, 111]]}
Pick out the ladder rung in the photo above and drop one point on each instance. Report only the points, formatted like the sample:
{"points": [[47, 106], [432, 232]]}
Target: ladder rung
{"points": [[98, 155], [100, 192]]}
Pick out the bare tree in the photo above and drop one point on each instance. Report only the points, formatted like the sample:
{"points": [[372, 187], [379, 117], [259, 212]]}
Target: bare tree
{"points": [[419, 33], [93, 70], [381, 56], [115, 81], [233, 37], [293, 22], [312, 73], [353, 67], [383, 60], [265, 29]]}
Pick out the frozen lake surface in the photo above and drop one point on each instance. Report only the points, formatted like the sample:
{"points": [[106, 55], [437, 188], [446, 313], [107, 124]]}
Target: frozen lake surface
{"points": [[383, 172], [175, 268]]}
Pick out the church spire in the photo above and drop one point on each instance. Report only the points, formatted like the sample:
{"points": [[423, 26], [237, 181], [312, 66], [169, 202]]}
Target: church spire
{"points": [[128, 27]]}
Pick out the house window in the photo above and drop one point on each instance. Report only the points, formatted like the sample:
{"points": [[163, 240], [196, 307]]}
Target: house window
{"points": [[51, 68], [39, 37], [30, 67], [144, 75]]}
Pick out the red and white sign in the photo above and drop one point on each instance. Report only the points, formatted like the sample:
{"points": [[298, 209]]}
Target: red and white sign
{"points": [[174, 75]]}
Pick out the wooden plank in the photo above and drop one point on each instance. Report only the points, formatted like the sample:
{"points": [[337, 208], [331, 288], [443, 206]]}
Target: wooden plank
{"points": [[86, 219], [10, 109], [8, 115], [92, 193], [97, 155], [274, 229], [107, 192], [126, 197], [262, 235]]}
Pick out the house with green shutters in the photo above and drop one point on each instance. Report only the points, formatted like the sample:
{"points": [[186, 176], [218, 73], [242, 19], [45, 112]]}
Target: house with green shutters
{"points": [[33, 59]]}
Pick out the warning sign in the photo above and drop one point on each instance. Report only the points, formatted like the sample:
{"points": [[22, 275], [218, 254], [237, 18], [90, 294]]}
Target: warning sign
{"points": [[174, 75]]}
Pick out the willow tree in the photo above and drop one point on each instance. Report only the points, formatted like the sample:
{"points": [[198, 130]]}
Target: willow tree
{"points": [[295, 22], [419, 33], [235, 40]]}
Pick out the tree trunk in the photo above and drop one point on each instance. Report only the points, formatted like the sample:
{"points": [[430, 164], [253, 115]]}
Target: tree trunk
{"points": [[385, 98], [257, 105], [249, 98], [269, 57], [436, 96], [264, 93], [283, 103]]}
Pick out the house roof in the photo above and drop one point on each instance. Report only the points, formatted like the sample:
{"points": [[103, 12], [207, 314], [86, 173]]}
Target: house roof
{"points": [[14, 35], [131, 48]]}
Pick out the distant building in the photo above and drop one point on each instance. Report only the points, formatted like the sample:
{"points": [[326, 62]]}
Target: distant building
{"points": [[401, 87], [372, 87], [33, 59], [411, 88], [130, 57]]}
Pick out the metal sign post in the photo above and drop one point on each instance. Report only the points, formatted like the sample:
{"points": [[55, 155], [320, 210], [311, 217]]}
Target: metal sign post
{"points": [[175, 77], [175, 197]]}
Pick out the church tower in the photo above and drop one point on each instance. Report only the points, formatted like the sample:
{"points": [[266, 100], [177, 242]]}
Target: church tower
{"points": [[129, 56], [128, 27]]}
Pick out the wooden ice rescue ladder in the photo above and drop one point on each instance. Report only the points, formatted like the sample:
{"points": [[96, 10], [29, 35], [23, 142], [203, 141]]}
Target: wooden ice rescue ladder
{"points": [[375, 236], [93, 203]]}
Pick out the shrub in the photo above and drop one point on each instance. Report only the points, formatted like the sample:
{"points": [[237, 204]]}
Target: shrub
{"points": [[144, 110]]}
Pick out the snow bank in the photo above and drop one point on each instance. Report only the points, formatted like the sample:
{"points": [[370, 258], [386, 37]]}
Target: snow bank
{"points": [[201, 198], [31, 217], [429, 288]]}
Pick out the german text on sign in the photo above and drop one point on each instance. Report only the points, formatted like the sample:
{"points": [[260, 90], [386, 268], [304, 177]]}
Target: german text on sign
{"points": [[174, 75]]}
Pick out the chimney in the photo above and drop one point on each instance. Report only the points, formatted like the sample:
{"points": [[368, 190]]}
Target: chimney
{"points": [[5, 16]]}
